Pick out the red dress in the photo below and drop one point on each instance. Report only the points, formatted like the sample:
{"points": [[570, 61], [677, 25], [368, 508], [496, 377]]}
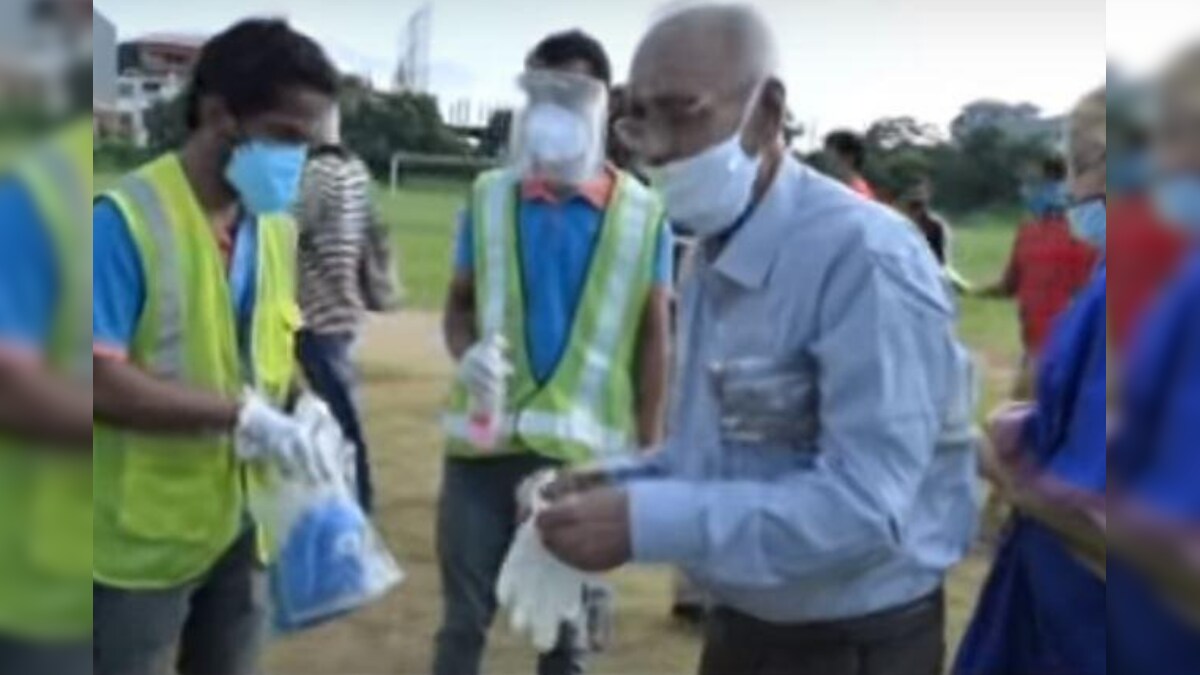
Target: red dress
{"points": [[1144, 254], [1048, 268]]}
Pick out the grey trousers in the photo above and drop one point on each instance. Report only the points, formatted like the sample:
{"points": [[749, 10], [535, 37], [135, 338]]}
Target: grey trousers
{"points": [[908, 640], [20, 657], [214, 626], [477, 520]]}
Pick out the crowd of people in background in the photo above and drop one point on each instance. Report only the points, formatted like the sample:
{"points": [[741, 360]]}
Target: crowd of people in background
{"points": [[786, 414]]}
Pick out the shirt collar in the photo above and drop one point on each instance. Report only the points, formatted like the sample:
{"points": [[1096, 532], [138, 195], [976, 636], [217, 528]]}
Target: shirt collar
{"points": [[597, 191], [747, 259]]}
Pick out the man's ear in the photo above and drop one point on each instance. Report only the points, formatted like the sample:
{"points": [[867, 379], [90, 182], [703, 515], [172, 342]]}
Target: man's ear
{"points": [[767, 125], [214, 118]]}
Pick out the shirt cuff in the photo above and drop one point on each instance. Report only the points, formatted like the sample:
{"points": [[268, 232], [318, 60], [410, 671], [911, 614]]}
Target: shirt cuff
{"points": [[666, 522]]}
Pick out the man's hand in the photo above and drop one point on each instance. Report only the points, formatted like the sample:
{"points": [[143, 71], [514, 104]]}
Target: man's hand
{"points": [[1006, 430], [485, 368], [589, 530], [266, 434]]}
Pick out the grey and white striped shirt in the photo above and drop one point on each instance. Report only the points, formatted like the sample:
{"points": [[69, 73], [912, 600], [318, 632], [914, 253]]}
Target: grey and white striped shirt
{"points": [[333, 215]]}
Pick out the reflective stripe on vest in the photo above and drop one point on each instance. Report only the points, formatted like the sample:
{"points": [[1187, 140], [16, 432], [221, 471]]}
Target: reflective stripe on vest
{"points": [[168, 360], [636, 215]]}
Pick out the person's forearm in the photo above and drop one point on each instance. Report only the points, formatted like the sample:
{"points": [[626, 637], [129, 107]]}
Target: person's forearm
{"points": [[653, 363], [39, 407], [459, 325], [996, 291], [124, 396]]}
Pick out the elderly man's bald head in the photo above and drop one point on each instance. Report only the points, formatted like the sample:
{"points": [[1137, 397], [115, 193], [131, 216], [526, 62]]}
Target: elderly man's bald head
{"points": [[699, 76], [728, 42]]}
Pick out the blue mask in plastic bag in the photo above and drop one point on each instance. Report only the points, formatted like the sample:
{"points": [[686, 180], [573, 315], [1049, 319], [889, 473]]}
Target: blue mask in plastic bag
{"points": [[1177, 199], [320, 573], [1089, 222], [267, 175]]}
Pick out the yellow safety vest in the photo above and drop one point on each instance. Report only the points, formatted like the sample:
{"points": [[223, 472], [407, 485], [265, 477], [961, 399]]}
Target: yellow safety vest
{"points": [[167, 507], [46, 493], [586, 410]]}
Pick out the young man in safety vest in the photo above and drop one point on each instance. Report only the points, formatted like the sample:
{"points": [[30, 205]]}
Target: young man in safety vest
{"points": [[559, 317], [45, 393], [194, 319]]}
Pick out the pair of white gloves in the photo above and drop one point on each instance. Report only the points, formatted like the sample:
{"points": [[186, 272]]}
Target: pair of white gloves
{"points": [[540, 592], [306, 445]]}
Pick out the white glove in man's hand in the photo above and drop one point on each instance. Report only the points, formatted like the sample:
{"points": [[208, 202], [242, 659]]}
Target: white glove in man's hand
{"points": [[539, 591], [265, 434], [485, 367]]}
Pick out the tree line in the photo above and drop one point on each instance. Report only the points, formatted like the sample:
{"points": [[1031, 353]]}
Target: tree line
{"points": [[978, 165]]}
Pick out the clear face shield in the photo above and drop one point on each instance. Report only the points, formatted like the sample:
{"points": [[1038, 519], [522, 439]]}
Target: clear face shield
{"points": [[560, 134]]}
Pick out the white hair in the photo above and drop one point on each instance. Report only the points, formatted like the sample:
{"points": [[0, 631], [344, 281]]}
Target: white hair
{"points": [[746, 29]]}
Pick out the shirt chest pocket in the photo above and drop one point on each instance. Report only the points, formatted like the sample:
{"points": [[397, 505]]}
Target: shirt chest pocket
{"points": [[767, 403]]}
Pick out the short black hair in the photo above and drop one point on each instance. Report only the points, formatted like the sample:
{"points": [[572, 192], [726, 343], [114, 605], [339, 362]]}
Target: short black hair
{"points": [[563, 48], [850, 145], [250, 65], [1054, 168]]}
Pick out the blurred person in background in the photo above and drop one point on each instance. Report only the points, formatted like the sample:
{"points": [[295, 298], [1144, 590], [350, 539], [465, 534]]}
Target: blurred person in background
{"points": [[588, 242], [1043, 608], [45, 374], [917, 204], [194, 317], [846, 153], [1146, 251], [818, 478], [334, 215], [1154, 579], [1048, 267]]}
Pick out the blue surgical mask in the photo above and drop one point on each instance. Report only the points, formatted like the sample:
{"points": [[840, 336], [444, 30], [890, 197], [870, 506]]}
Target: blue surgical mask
{"points": [[1177, 199], [1045, 199], [1089, 222], [267, 175], [1129, 173]]}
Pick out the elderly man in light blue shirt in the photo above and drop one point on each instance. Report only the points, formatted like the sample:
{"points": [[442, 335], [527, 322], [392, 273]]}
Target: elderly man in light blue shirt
{"points": [[819, 478]]}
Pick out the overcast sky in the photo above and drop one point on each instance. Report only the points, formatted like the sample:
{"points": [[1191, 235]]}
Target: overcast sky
{"points": [[846, 62]]}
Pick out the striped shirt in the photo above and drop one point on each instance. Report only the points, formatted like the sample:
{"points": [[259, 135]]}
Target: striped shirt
{"points": [[333, 213]]}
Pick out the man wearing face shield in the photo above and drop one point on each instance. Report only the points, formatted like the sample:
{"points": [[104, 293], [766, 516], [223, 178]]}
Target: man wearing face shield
{"points": [[819, 474], [45, 395], [558, 315], [194, 320]]}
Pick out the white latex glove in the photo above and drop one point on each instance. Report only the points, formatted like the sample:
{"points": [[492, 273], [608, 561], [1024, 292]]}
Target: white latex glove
{"points": [[265, 434], [485, 367], [540, 592], [333, 454]]}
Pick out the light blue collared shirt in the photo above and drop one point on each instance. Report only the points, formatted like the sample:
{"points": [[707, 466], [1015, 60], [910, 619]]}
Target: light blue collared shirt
{"points": [[875, 496]]}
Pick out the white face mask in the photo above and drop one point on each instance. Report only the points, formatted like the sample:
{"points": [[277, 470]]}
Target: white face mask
{"points": [[705, 194], [555, 135], [560, 135]]}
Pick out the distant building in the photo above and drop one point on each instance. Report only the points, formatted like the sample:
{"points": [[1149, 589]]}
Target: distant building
{"points": [[153, 69]]}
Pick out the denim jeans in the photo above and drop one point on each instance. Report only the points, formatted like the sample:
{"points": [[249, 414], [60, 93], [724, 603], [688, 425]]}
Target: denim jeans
{"points": [[477, 520], [25, 657], [328, 365], [216, 625]]}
